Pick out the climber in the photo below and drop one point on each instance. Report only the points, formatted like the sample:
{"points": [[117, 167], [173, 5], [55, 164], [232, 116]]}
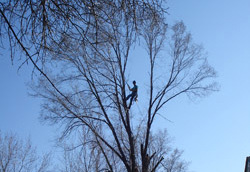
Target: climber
{"points": [[133, 95]]}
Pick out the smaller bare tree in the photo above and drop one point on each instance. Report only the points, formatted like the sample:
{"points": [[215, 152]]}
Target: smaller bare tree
{"points": [[81, 154], [21, 156], [174, 163]]}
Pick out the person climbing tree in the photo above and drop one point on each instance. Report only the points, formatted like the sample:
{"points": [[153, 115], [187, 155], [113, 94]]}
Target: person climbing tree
{"points": [[133, 95]]}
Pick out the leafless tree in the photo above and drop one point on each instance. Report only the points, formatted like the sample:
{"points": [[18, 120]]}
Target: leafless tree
{"points": [[174, 163], [21, 156], [83, 48]]}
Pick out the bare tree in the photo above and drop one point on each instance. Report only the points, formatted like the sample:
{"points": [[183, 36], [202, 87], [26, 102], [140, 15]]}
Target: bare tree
{"points": [[83, 48], [81, 154], [174, 163], [19, 155]]}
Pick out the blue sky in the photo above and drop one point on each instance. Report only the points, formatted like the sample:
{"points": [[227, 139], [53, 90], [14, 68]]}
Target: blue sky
{"points": [[213, 131]]}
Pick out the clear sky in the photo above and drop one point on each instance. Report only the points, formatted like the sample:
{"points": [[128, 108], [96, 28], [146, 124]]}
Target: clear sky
{"points": [[214, 132]]}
